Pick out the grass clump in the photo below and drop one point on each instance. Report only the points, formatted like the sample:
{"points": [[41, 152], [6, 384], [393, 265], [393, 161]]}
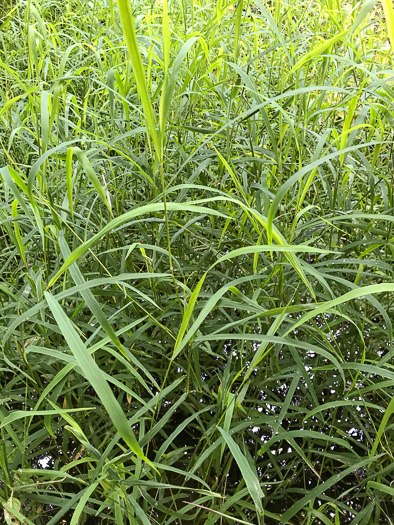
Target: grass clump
{"points": [[196, 290]]}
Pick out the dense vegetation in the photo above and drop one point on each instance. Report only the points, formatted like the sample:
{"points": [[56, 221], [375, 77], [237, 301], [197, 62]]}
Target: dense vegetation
{"points": [[196, 289]]}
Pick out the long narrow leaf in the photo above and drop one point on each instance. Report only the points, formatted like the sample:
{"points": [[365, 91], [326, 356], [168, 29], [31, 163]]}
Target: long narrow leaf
{"points": [[95, 376]]}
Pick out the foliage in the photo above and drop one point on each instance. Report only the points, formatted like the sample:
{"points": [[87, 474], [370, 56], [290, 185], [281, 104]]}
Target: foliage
{"points": [[196, 289]]}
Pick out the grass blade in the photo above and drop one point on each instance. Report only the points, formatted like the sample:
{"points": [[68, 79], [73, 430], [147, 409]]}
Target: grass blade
{"points": [[95, 377], [250, 477], [128, 26]]}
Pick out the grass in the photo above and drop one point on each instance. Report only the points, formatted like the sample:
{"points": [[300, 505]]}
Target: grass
{"points": [[196, 291]]}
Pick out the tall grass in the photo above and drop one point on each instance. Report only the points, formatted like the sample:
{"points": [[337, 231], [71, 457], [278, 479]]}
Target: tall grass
{"points": [[196, 286]]}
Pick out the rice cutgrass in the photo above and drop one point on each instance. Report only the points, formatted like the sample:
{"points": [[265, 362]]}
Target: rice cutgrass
{"points": [[196, 286]]}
